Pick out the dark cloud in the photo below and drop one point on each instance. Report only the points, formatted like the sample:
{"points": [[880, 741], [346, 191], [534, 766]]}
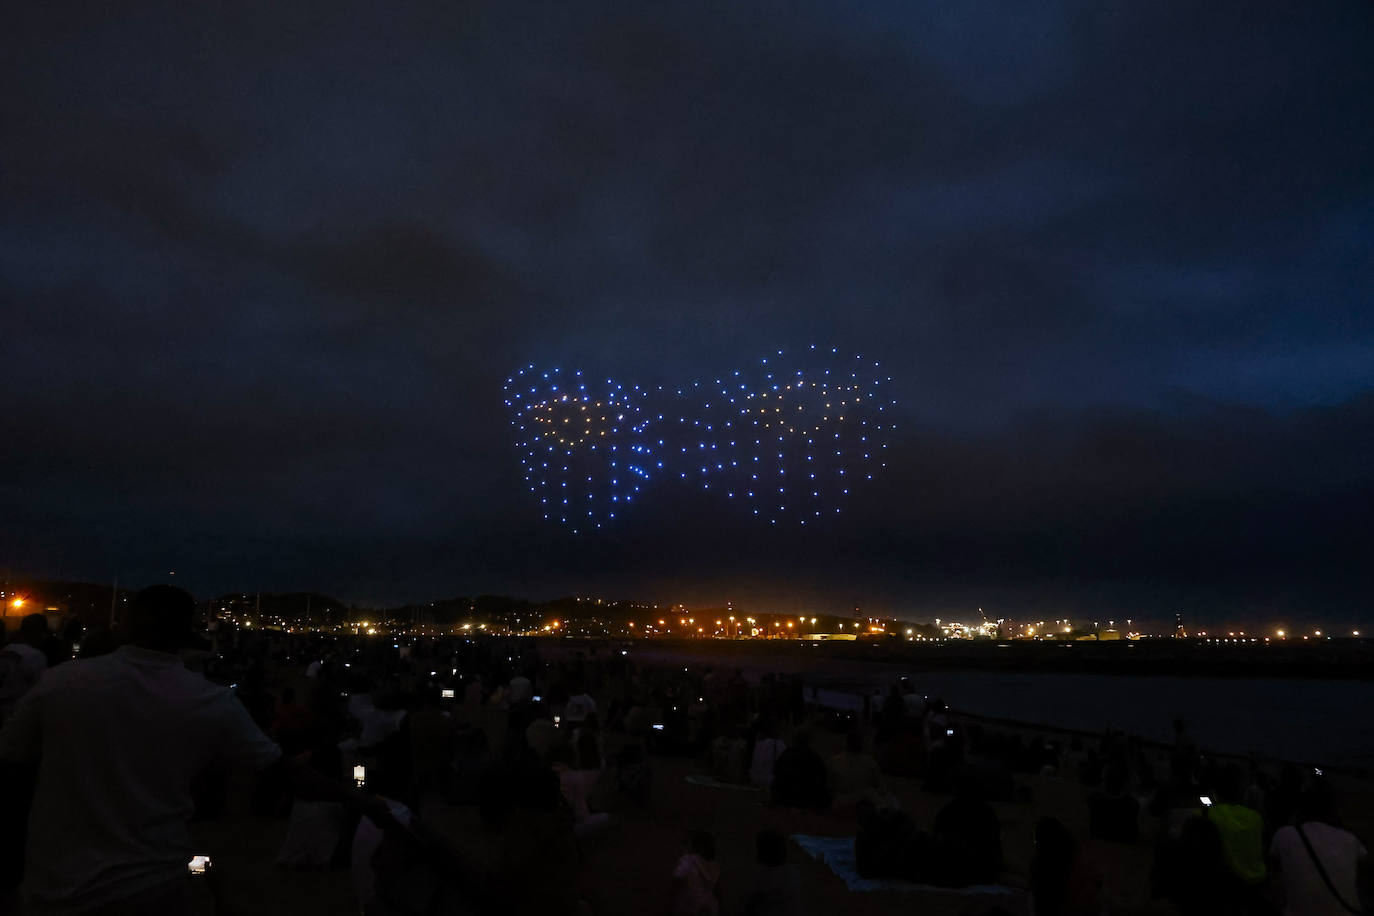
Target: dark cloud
{"points": [[263, 271]]}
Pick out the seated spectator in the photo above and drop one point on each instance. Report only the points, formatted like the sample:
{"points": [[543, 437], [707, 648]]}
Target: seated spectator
{"points": [[727, 758], [394, 776], [1184, 759], [470, 761], [892, 711], [887, 844], [1255, 783], [580, 705], [855, 775], [799, 777], [292, 722], [431, 743], [633, 777], [777, 885], [1241, 830], [378, 720], [253, 694], [1281, 802], [312, 834], [1191, 872], [696, 878], [901, 753], [472, 693], [945, 762], [579, 772], [365, 862], [966, 842], [640, 720], [936, 723], [1063, 882], [1319, 863], [1175, 806], [767, 749], [537, 833], [521, 690], [1114, 815], [542, 735]]}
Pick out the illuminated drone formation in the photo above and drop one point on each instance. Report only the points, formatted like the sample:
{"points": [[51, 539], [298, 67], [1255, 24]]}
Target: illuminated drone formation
{"points": [[787, 438]]}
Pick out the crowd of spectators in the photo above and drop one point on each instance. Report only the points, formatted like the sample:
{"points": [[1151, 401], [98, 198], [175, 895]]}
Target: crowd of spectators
{"points": [[355, 738]]}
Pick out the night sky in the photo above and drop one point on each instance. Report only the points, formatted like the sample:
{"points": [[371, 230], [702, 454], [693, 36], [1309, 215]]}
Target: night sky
{"points": [[265, 269]]}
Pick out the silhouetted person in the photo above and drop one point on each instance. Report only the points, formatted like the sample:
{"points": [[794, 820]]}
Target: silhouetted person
{"points": [[1319, 863], [1063, 883], [887, 844], [1281, 804], [1113, 814], [800, 779], [579, 770], [696, 878], [855, 775], [1241, 829], [966, 842], [23, 662], [894, 708], [117, 740], [537, 868], [292, 723], [1192, 873], [777, 885], [580, 704], [253, 694], [1183, 759], [763, 756]]}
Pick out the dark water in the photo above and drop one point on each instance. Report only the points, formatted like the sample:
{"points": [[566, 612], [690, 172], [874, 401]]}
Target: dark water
{"points": [[1309, 720], [1321, 721]]}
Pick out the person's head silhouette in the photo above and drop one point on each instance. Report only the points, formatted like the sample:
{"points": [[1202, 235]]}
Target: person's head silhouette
{"points": [[33, 629], [162, 618]]}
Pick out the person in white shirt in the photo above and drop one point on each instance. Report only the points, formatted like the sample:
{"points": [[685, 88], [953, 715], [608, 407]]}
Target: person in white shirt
{"points": [[579, 706], [767, 749], [22, 662], [116, 741], [521, 690], [1297, 849]]}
